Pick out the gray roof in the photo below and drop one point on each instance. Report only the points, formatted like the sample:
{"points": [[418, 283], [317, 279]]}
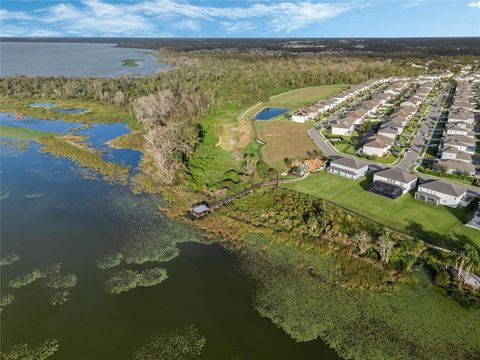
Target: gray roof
{"points": [[397, 175], [349, 162], [445, 188]]}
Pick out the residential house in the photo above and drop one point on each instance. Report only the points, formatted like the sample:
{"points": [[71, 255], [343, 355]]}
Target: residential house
{"points": [[456, 167], [452, 153], [443, 193], [377, 146], [344, 127], [348, 167], [394, 182]]}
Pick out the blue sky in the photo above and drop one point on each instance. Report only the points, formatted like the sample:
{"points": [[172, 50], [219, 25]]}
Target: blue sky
{"points": [[248, 18]]}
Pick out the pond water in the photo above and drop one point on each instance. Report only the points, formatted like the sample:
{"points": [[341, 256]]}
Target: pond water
{"points": [[42, 104], [76, 220], [74, 60], [71, 111], [270, 113]]}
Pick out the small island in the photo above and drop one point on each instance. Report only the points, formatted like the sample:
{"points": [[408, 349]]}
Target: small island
{"points": [[131, 62]]}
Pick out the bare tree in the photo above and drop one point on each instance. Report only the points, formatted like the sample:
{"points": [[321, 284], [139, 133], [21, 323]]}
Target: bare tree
{"points": [[384, 247], [363, 242], [250, 165]]}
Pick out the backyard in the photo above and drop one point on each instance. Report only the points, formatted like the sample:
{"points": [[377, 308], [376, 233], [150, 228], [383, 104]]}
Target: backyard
{"points": [[296, 99], [439, 225], [284, 139]]}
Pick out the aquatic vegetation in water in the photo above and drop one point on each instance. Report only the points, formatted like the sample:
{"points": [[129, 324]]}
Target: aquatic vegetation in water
{"points": [[25, 279], [131, 62], [4, 195], [125, 280], [27, 352], [34, 195], [61, 281], [85, 157], [147, 235], [51, 273], [414, 322], [59, 298], [6, 300], [181, 344], [109, 261], [9, 259], [15, 144]]}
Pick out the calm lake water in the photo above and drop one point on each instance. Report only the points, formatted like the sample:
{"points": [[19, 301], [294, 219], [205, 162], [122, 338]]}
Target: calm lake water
{"points": [[76, 221], [270, 113], [74, 60]]}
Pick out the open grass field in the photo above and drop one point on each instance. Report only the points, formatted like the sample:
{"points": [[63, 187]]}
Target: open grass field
{"points": [[439, 225], [296, 99], [284, 139]]}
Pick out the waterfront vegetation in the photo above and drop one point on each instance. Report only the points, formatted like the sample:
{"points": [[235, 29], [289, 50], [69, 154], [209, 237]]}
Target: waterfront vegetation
{"points": [[181, 344], [407, 321], [98, 112], [131, 62], [28, 352], [440, 225], [125, 280]]}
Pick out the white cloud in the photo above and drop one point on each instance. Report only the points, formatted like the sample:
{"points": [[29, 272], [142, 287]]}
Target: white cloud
{"points": [[187, 25], [21, 31], [475, 4], [157, 17], [412, 3], [14, 15], [237, 26]]}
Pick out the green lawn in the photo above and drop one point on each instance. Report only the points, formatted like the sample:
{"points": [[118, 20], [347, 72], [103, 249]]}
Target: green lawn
{"points": [[296, 99], [435, 224]]}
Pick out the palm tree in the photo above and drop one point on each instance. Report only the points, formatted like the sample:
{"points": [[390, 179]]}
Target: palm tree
{"points": [[468, 257]]}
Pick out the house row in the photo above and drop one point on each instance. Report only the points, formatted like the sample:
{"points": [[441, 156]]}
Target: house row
{"points": [[379, 144], [459, 137], [349, 123], [393, 183], [324, 106]]}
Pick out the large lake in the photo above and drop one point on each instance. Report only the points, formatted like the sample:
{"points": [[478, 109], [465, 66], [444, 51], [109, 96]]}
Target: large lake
{"points": [[74, 60], [51, 213]]}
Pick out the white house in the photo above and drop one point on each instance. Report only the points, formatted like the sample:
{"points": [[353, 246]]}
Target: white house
{"points": [[301, 116], [452, 153], [461, 142], [344, 128], [377, 146], [400, 179], [442, 193], [457, 167], [349, 168]]}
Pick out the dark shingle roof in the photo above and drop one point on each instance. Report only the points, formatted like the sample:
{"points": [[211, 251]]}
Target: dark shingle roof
{"points": [[397, 175], [350, 162], [444, 188]]}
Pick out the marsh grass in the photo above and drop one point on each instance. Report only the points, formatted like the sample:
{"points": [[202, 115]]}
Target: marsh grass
{"points": [[133, 140], [125, 280], [28, 352], [9, 259], [85, 157], [98, 112], [181, 344]]}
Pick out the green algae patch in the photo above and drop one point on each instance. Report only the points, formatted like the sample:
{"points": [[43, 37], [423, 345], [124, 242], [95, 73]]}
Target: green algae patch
{"points": [[28, 352], [61, 281], [9, 259], [60, 298], [6, 300], [182, 344], [125, 280]]}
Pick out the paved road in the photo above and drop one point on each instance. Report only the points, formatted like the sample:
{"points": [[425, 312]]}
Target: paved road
{"points": [[322, 143]]}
